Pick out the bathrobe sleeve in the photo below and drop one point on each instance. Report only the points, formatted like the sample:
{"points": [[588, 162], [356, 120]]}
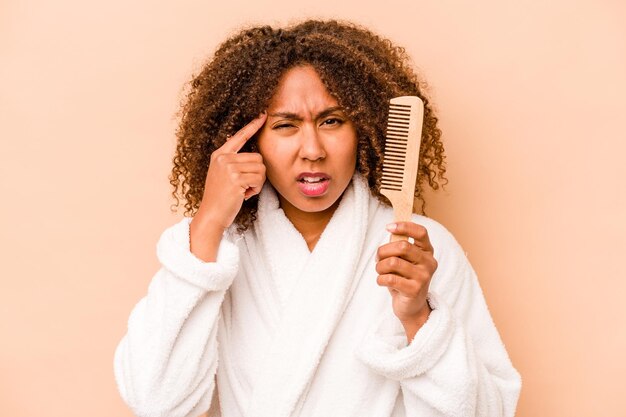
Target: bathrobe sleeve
{"points": [[165, 364], [457, 364]]}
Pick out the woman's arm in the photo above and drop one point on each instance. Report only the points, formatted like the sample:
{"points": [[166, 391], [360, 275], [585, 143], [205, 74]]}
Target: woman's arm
{"points": [[166, 363], [456, 365]]}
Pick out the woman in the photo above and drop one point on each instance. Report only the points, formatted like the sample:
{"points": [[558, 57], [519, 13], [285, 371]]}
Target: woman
{"points": [[270, 300]]}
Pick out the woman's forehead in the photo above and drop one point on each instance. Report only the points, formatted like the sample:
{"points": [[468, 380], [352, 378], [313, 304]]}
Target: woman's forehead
{"points": [[301, 91]]}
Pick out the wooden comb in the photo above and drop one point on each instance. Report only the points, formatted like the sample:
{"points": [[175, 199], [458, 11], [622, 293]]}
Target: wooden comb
{"points": [[402, 150]]}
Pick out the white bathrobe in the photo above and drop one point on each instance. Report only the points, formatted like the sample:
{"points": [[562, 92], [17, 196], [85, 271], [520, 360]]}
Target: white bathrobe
{"points": [[273, 330]]}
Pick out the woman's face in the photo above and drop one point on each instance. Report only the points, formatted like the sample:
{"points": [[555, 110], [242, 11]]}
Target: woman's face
{"points": [[307, 143]]}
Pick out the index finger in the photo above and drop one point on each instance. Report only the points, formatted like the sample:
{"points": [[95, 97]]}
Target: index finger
{"points": [[236, 142], [413, 230]]}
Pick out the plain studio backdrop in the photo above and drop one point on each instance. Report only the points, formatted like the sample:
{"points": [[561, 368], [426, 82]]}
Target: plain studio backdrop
{"points": [[531, 101]]}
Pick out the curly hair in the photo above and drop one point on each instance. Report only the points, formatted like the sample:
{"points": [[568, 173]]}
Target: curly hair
{"points": [[361, 70]]}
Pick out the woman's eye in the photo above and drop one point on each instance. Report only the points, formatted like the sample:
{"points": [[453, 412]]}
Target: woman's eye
{"points": [[283, 126], [332, 122]]}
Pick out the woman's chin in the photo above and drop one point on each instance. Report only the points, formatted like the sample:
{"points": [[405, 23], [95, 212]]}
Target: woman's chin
{"points": [[310, 204]]}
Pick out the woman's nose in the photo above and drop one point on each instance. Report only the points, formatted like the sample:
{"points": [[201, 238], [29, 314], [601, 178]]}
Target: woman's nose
{"points": [[311, 146]]}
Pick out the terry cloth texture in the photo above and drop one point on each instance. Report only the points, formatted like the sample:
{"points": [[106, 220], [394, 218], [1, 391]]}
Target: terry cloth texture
{"points": [[273, 330]]}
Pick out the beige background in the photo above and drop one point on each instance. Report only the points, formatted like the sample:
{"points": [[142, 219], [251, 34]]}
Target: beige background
{"points": [[531, 100]]}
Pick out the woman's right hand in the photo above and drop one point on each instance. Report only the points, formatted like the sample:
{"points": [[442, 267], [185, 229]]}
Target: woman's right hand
{"points": [[231, 178]]}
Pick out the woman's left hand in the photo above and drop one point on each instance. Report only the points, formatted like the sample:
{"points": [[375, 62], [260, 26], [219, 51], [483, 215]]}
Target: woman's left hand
{"points": [[406, 270]]}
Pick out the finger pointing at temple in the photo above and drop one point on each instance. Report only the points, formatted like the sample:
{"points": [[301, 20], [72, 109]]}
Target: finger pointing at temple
{"points": [[236, 142]]}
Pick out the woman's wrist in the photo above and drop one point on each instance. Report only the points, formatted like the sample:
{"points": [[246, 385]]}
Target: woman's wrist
{"points": [[412, 326], [205, 236]]}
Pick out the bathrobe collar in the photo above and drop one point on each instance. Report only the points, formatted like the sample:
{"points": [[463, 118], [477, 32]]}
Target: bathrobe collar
{"points": [[325, 280]]}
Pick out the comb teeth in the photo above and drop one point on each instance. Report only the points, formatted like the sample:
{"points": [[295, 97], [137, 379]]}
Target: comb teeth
{"points": [[396, 147]]}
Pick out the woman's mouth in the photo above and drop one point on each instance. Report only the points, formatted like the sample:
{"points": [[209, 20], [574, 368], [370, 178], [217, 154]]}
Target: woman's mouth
{"points": [[313, 184]]}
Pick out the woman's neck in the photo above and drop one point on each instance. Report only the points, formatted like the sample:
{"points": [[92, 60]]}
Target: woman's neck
{"points": [[311, 225]]}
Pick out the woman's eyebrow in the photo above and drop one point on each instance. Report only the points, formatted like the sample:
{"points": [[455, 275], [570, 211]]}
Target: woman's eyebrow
{"points": [[294, 116]]}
